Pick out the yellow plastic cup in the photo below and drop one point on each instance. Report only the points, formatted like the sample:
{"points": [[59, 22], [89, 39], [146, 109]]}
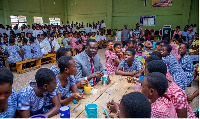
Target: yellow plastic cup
{"points": [[87, 89]]}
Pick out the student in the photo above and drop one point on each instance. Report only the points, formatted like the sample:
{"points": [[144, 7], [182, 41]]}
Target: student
{"points": [[60, 52], [139, 51], [157, 45], [44, 44], [113, 57], [92, 36], [154, 88], [60, 40], [35, 49], [66, 42], [158, 54], [19, 42], [129, 66], [54, 44], [102, 38], [178, 42], [130, 44], [26, 50], [132, 105], [177, 31], [186, 62], [32, 98], [175, 68], [8, 101], [190, 35], [148, 44], [84, 40], [75, 44], [174, 92], [14, 52], [185, 33]]}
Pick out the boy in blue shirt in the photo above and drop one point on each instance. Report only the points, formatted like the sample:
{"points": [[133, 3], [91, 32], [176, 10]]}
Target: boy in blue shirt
{"points": [[35, 49], [129, 66]]}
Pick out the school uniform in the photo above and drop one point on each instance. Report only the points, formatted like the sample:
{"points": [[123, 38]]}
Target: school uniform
{"points": [[27, 99], [135, 66], [102, 37], [44, 46], [36, 32], [12, 106], [55, 45], [87, 29], [65, 43], [30, 30], [97, 38], [27, 52], [36, 51], [13, 54]]}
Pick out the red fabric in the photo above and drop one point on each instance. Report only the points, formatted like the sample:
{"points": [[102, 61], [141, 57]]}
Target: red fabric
{"points": [[91, 61]]}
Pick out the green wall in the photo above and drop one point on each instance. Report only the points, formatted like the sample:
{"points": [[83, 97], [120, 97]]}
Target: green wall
{"points": [[118, 12]]}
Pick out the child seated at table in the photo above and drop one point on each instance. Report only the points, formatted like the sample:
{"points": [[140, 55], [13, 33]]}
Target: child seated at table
{"points": [[154, 88], [129, 66], [113, 57], [174, 92], [129, 44], [139, 51], [157, 45], [14, 52], [132, 105], [31, 99], [186, 62], [54, 44], [148, 44], [35, 49], [9, 98], [26, 50], [174, 67]]}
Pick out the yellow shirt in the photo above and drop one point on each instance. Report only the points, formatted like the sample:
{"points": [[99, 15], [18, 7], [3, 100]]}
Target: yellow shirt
{"points": [[92, 37], [60, 41], [78, 30]]}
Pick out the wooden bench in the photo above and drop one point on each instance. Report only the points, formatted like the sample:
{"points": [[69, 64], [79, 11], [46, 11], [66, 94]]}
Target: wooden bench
{"points": [[38, 62], [52, 56]]}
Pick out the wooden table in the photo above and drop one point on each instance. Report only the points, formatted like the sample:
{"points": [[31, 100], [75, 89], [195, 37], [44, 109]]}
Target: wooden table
{"points": [[114, 91]]}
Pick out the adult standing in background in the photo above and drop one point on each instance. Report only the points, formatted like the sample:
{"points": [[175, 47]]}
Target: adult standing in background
{"points": [[125, 35], [103, 25], [137, 31]]}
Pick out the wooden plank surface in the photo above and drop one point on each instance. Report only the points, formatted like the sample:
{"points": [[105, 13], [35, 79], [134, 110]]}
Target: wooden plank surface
{"points": [[114, 91]]}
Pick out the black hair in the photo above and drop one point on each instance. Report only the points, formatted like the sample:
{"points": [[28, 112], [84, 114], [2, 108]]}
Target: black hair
{"points": [[6, 76], [151, 58], [176, 36], [169, 47], [164, 41], [152, 38], [65, 34], [32, 39], [116, 44], [131, 50], [110, 41], [178, 27], [61, 52], [63, 62], [44, 76], [90, 40], [141, 45], [157, 81], [136, 105], [25, 40], [44, 34], [157, 66], [158, 43], [142, 39], [11, 40], [187, 46], [167, 39], [179, 40], [184, 38], [133, 41], [156, 53]]}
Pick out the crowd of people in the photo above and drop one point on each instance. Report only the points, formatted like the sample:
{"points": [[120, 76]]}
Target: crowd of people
{"points": [[168, 71]]}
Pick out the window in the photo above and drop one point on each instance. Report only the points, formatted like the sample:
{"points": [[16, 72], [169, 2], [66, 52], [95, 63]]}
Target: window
{"points": [[54, 21], [147, 20], [20, 20], [38, 20]]}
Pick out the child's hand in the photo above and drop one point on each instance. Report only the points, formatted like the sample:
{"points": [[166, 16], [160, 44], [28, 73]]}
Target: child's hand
{"points": [[83, 83], [76, 96], [111, 116], [113, 106]]}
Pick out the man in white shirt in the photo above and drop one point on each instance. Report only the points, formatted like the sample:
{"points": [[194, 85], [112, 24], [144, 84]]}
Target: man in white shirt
{"points": [[87, 29], [44, 44], [37, 31]]}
